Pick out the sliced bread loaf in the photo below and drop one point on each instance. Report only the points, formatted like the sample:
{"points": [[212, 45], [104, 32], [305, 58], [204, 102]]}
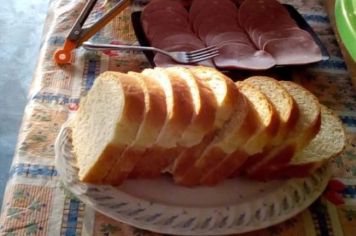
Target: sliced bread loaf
{"points": [[180, 107], [267, 126], [307, 127], [107, 122], [204, 107], [227, 99], [328, 143], [282, 102], [155, 115], [284, 106]]}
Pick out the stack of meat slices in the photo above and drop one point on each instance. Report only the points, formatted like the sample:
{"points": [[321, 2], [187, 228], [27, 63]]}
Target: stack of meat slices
{"points": [[216, 23], [257, 36], [166, 24], [272, 30]]}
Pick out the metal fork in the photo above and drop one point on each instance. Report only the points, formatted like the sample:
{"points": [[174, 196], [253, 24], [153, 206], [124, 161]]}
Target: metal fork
{"points": [[181, 57]]}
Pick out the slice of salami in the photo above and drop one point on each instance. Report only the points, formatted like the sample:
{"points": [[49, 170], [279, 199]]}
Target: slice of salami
{"points": [[199, 5], [258, 17], [160, 31], [301, 50], [254, 27], [158, 16], [213, 11], [293, 32], [217, 23], [227, 37], [151, 27], [165, 5], [178, 39], [259, 9], [241, 56], [218, 15]]}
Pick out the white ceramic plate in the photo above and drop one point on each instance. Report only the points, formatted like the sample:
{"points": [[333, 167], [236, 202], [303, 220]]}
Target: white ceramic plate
{"points": [[235, 206]]}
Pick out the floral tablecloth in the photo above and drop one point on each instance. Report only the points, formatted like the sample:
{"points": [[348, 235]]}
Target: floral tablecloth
{"points": [[36, 203]]}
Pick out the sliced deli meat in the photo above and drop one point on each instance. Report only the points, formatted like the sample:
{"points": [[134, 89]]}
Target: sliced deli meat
{"points": [[299, 50], [156, 19], [266, 29], [280, 34], [237, 55], [178, 39], [253, 9], [214, 12], [219, 21], [199, 6], [225, 37], [164, 5]]}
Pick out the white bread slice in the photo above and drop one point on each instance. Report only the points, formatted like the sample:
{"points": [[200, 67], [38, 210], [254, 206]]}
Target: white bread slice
{"points": [[267, 126], [106, 122], [232, 135], [307, 127], [281, 100], [224, 90], [268, 118], [285, 107], [155, 115], [328, 143], [180, 110], [204, 108], [227, 101]]}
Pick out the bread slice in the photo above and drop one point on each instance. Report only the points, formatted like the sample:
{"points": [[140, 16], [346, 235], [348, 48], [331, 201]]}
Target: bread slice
{"points": [[180, 111], [227, 99], [281, 100], [307, 127], [267, 126], [284, 106], [204, 108], [267, 117], [155, 115], [106, 122], [234, 134], [328, 143]]}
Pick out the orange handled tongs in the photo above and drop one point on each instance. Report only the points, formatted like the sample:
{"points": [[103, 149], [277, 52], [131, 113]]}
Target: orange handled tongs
{"points": [[78, 34]]}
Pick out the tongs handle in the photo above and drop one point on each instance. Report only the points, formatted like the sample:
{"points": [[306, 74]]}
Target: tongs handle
{"points": [[78, 35]]}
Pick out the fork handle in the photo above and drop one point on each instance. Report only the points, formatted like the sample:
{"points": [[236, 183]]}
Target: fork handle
{"points": [[103, 47]]}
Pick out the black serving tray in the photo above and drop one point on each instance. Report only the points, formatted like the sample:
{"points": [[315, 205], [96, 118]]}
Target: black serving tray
{"points": [[284, 71]]}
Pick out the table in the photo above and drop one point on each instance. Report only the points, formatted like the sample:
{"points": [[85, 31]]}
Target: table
{"points": [[19, 43], [36, 203]]}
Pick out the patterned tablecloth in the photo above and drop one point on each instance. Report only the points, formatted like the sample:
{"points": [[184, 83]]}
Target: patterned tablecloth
{"points": [[36, 203]]}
